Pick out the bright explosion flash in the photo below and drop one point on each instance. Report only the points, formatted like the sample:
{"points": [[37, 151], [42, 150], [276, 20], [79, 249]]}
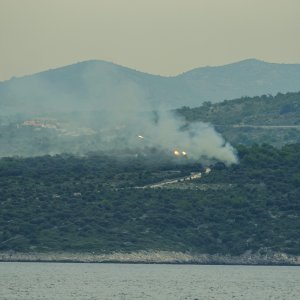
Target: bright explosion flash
{"points": [[176, 153], [179, 153]]}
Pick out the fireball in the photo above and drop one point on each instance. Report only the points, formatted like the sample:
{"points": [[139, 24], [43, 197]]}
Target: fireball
{"points": [[176, 153]]}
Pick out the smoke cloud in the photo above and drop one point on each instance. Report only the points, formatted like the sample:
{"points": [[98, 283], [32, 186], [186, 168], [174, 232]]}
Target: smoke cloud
{"points": [[139, 122], [119, 113]]}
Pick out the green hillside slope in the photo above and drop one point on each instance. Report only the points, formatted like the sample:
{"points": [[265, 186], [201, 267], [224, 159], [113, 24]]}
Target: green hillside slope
{"points": [[99, 203], [265, 119]]}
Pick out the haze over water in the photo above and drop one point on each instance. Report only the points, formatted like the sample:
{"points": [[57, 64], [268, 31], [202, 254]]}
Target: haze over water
{"points": [[122, 281]]}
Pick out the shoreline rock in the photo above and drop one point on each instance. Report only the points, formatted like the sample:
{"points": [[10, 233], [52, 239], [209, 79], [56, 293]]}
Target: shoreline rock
{"points": [[154, 257]]}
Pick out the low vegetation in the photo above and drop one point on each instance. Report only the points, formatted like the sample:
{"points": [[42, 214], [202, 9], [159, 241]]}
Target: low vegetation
{"points": [[92, 203]]}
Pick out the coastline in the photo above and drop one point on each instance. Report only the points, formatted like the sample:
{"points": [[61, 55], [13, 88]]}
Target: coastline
{"points": [[154, 257]]}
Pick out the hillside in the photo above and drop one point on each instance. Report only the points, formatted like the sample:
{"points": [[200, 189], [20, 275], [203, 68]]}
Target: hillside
{"points": [[102, 204], [264, 119], [91, 85]]}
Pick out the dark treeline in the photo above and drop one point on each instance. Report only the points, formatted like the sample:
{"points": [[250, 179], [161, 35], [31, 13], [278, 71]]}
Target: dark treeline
{"points": [[89, 203]]}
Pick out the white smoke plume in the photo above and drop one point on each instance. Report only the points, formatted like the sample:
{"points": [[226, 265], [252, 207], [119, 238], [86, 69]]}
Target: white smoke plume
{"points": [[134, 116], [123, 112], [170, 132]]}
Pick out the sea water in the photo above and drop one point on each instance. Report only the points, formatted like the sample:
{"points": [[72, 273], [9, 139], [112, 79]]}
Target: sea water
{"points": [[141, 281]]}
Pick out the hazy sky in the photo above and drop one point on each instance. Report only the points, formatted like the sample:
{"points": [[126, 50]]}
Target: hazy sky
{"points": [[163, 37]]}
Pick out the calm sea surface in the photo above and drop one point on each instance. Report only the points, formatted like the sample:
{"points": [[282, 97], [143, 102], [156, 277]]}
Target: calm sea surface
{"points": [[124, 281]]}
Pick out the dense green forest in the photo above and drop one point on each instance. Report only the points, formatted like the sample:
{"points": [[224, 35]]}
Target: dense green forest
{"points": [[282, 109], [266, 119], [96, 203]]}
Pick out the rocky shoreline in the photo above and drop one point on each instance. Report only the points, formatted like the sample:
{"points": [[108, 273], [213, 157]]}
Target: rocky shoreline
{"points": [[154, 257]]}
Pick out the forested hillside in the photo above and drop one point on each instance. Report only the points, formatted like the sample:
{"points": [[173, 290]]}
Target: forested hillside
{"points": [[264, 119], [101, 203]]}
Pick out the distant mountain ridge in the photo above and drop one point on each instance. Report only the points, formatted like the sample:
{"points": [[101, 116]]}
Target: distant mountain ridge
{"points": [[87, 85]]}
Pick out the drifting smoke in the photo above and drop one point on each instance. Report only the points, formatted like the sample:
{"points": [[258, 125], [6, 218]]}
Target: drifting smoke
{"points": [[141, 123], [122, 115], [195, 141]]}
